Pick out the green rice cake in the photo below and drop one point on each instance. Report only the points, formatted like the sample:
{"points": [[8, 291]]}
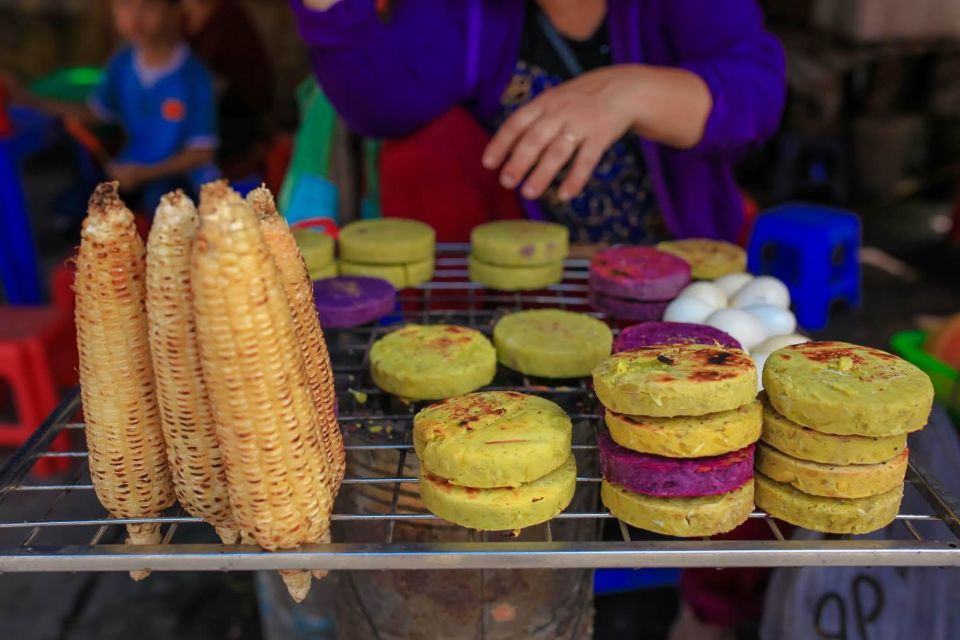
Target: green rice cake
{"points": [[666, 381], [683, 517], [827, 515], [502, 509], [387, 241], [432, 362], [515, 278], [520, 243], [551, 343], [845, 389], [401, 276], [492, 438], [687, 436], [829, 480], [806, 444]]}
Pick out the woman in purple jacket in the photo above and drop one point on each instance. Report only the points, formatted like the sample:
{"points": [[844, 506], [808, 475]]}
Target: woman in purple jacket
{"points": [[619, 118]]}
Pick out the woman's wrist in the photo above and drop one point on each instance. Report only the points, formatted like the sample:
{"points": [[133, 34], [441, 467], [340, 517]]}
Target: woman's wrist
{"points": [[666, 104], [319, 5]]}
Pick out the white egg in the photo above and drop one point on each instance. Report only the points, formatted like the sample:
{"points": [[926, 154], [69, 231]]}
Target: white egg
{"points": [[687, 310], [706, 292], [779, 342], [760, 359], [763, 290], [775, 321], [731, 283], [744, 328]]}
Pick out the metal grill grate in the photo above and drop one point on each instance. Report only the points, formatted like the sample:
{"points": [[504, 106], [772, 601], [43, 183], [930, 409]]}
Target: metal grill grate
{"points": [[60, 526]]}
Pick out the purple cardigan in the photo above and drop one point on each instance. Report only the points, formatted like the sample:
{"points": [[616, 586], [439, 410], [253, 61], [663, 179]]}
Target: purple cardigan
{"points": [[387, 80]]}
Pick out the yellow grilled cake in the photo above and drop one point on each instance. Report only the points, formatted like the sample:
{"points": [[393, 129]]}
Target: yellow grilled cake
{"points": [[322, 273], [433, 362], [666, 381], [806, 444], [525, 278], [687, 436], [831, 480], [552, 343], [684, 517], [520, 243], [708, 259], [317, 248], [492, 438], [387, 241], [845, 389], [400, 276], [828, 515], [501, 509]]}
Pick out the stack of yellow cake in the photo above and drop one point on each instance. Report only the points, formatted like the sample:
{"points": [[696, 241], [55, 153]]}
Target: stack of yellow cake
{"points": [[399, 251], [834, 448], [317, 249], [496, 460], [518, 255], [682, 420]]}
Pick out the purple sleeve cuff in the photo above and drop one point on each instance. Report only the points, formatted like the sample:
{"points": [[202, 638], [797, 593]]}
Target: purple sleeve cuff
{"points": [[748, 94], [716, 134], [339, 25]]}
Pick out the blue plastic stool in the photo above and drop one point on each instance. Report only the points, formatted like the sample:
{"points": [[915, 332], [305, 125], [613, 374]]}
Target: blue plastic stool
{"points": [[608, 581], [816, 251]]}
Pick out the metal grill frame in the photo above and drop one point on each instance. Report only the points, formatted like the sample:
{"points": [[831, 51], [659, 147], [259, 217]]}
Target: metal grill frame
{"points": [[449, 298]]}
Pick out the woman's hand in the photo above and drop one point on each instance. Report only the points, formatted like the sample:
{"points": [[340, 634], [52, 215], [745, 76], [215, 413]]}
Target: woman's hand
{"points": [[577, 121]]}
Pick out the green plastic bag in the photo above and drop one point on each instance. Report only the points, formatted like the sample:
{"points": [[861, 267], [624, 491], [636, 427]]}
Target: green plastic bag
{"points": [[306, 193]]}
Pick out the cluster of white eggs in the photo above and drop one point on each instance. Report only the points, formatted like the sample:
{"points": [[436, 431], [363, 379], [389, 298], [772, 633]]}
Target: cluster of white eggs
{"points": [[755, 311]]}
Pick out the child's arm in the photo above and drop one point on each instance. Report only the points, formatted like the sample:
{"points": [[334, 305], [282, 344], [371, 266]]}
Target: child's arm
{"points": [[131, 176], [19, 95]]}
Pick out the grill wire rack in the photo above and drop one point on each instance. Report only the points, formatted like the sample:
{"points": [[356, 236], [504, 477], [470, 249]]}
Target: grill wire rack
{"points": [[378, 522]]}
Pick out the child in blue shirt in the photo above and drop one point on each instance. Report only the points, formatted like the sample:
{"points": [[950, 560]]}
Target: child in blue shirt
{"points": [[161, 95]]}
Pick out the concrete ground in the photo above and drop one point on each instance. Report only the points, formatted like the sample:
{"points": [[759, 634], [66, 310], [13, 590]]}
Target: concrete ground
{"points": [[206, 606]]}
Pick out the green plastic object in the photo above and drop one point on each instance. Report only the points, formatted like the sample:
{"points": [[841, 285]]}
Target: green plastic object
{"points": [[946, 380], [69, 85], [312, 143]]}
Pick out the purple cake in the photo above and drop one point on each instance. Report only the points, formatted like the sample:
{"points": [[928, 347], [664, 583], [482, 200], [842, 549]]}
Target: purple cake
{"points": [[673, 477], [638, 273], [350, 301], [632, 310], [647, 334]]}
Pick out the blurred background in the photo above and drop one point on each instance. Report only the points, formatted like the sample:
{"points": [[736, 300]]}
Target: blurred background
{"points": [[872, 125]]}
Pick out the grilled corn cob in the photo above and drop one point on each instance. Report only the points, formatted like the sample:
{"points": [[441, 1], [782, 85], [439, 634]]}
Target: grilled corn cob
{"points": [[306, 323], [128, 465], [267, 424], [196, 463]]}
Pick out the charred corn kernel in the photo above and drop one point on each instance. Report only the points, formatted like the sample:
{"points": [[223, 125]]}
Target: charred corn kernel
{"points": [[128, 465], [299, 288], [267, 424], [196, 463]]}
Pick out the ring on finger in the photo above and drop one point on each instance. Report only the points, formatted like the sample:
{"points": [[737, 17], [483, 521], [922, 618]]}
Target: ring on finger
{"points": [[571, 138]]}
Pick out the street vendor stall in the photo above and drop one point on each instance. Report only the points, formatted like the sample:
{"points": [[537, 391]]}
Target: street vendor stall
{"points": [[380, 524]]}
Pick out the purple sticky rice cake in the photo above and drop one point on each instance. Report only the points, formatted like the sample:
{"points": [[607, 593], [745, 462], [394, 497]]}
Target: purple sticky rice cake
{"points": [[350, 301], [638, 273], [647, 334], [632, 310], [662, 477]]}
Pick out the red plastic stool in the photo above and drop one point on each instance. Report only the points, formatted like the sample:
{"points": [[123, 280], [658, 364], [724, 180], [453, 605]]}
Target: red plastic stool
{"points": [[24, 366], [61, 343]]}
